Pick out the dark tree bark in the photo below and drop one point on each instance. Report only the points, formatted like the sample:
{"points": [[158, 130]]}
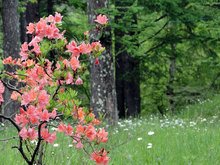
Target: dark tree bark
{"points": [[32, 15], [10, 47], [127, 68], [103, 94], [23, 24], [50, 7]]}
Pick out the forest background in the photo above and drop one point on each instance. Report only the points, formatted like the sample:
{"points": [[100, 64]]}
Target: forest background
{"points": [[164, 53]]}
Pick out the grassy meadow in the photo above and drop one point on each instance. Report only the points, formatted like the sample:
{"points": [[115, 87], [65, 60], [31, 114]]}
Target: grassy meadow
{"points": [[190, 138]]}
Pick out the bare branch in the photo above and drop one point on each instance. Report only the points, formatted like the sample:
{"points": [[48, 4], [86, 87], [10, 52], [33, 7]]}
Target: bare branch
{"points": [[56, 92], [10, 87], [11, 138], [9, 119], [38, 143], [158, 19], [155, 33], [159, 30], [155, 47], [20, 148]]}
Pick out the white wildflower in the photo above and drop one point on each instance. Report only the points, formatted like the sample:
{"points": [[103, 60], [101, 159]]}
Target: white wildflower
{"points": [[149, 145], [203, 120], [54, 129], [56, 145], [139, 139], [70, 145], [191, 124], [150, 133], [34, 142]]}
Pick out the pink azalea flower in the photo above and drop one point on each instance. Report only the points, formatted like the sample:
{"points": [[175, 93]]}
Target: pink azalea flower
{"points": [[97, 46], [50, 18], [28, 97], [80, 129], [44, 116], [102, 135], [36, 49], [34, 41], [57, 65], [69, 130], [2, 89], [43, 99], [79, 145], [32, 114], [90, 132], [24, 47], [74, 63], [28, 134], [79, 81], [30, 28], [48, 137], [85, 48], [96, 61], [58, 18], [69, 78], [100, 157], [53, 114], [21, 118], [61, 127], [102, 19]]}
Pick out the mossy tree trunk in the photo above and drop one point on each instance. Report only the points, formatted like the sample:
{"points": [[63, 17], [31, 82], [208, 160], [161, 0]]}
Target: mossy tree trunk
{"points": [[103, 94]]}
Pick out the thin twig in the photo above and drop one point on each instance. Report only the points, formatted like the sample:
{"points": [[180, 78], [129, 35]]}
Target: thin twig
{"points": [[38, 143], [163, 16], [155, 47], [159, 30], [56, 92], [11, 138], [10, 87], [26, 145]]}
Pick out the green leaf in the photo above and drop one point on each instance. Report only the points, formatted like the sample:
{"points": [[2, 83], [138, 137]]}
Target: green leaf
{"points": [[1, 65], [21, 73]]}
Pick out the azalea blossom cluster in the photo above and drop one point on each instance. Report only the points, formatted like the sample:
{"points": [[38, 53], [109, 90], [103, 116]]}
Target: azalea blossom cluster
{"points": [[2, 90], [43, 81]]}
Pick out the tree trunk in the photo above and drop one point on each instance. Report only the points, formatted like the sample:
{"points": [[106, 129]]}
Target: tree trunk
{"points": [[32, 15], [10, 47], [127, 67], [50, 7], [23, 24], [103, 94]]}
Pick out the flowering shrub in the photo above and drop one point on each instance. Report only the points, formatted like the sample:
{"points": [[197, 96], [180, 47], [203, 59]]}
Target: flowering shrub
{"points": [[48, 67]]}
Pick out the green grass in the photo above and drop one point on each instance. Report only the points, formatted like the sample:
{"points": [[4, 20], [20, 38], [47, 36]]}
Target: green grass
{"points": [[205, 109], [182, 140]]}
